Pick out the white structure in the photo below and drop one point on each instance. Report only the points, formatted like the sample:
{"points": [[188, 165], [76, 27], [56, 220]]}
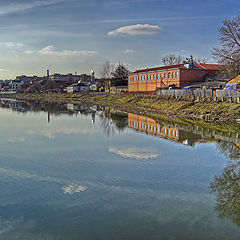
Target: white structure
{"points": [[78, 87], [15, 84], [92, 76]]}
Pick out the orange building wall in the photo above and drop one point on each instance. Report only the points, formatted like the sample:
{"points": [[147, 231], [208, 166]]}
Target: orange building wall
{"points": [[185, 77], [151, 85]]}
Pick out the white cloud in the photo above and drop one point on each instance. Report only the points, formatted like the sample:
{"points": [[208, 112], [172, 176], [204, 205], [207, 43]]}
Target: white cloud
{"points": [[29, 51], [51, 133], [15, 7], [129, 51], [136, 153], [51, 50], [11, 44], [20, 175], [73, 188], [134, 30]]}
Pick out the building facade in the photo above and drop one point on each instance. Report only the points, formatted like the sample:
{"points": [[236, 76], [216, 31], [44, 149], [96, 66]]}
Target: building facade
{"points": [[149, 79], [78, 87]]}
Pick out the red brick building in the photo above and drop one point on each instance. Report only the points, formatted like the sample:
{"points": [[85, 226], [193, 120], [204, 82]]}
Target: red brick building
{"points": [[147, 80]]}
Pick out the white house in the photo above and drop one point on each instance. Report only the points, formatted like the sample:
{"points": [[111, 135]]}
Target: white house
{"points": [[78, 87]]}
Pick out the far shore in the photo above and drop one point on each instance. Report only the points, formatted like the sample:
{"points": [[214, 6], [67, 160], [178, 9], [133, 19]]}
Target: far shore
{"points": [[210, 111]]}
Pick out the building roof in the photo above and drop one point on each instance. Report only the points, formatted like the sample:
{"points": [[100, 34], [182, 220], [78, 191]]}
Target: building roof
{"points": [[198, 66], [159, 68], [234, 80], [210, 66]]}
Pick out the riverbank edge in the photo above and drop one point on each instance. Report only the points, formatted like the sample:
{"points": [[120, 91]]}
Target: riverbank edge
{"points": [[214, 116], [165, 108]]}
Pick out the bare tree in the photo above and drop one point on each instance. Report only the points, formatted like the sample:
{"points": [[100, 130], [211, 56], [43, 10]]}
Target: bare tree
{"points": [[172, 59], [107, 70], [106, 73], [228, 53], [200, 60]]}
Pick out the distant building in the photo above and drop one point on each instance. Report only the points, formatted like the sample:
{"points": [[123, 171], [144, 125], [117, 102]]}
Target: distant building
{"points": [[84, 78], [57, 77], [149, 79], [14, 85], [26, 79], [112, 84], [78, 87]]}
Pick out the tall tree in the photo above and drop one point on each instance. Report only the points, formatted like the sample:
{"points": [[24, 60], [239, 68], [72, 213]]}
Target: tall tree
{"points": [[228, 53], [121, 72], [106, 72]]}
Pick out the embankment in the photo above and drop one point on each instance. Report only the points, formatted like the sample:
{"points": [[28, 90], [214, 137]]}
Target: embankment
{"points": [[207, 110]]}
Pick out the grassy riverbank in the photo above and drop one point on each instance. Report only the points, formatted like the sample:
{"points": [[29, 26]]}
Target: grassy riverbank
{"points": [[208, 111]]}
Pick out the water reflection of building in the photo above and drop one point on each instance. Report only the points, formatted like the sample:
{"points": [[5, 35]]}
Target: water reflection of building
{"points": [[77, 107], [15, 105], [150, 126]]}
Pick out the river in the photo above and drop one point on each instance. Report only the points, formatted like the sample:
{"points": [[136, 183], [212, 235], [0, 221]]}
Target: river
{"points": [[86, 172]]}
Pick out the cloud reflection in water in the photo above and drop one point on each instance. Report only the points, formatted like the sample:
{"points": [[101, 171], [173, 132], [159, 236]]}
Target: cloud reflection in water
{"points": [[135, 152]]}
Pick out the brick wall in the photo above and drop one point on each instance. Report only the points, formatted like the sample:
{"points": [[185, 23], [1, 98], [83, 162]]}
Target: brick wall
{"points": [[188, 76], [149, 81], [152, 80]]}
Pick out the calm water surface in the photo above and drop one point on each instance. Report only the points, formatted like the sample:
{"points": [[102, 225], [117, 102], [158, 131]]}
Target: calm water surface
{"points": [[79, 173]]}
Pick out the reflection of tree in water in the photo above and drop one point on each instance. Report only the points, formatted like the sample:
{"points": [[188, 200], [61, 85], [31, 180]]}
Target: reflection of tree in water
{"points": [[111, 121], [120, 121], [107, 125], [227, 185], [229, 149]]}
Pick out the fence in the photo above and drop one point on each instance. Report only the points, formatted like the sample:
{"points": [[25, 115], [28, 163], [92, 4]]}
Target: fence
{"points": [[208, 93]]}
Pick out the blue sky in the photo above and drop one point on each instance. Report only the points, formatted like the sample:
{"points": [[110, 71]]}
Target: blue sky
{"points": [[80, 35]]}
